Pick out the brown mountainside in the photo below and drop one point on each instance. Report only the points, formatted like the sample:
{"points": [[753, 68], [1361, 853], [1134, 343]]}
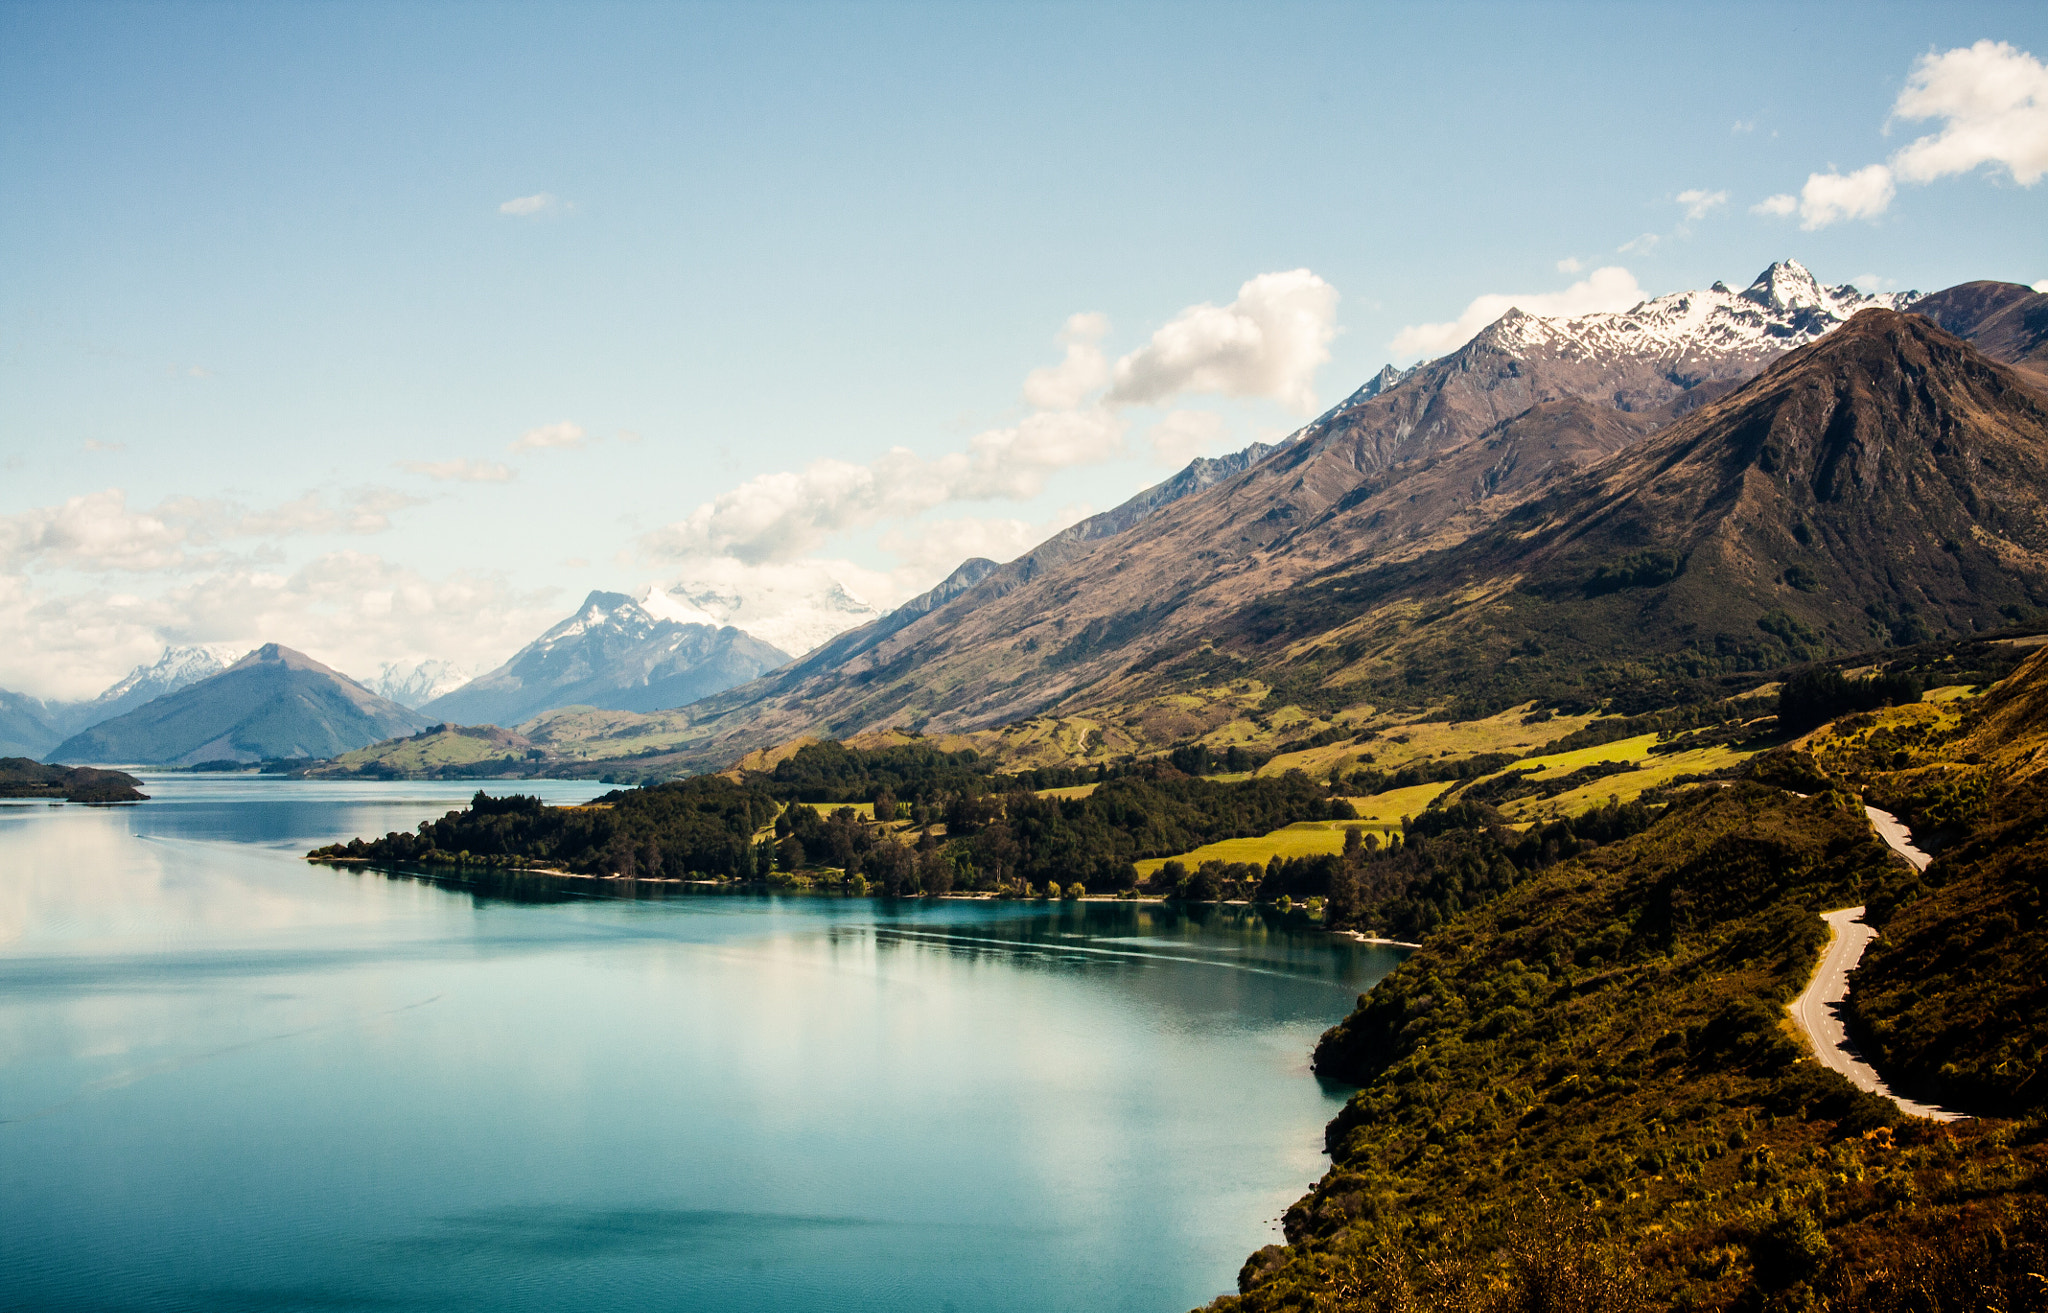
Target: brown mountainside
{"points": [[2006, 321], [1884, 485], [1396, 471]]}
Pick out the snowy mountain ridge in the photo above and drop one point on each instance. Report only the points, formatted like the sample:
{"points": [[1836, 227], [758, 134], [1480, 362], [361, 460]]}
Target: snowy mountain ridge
{"points": [[414, 683], [1785, 307]]}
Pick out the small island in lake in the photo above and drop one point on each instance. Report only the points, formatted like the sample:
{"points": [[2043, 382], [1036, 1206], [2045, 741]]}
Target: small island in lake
{"points": [[23, 778]]}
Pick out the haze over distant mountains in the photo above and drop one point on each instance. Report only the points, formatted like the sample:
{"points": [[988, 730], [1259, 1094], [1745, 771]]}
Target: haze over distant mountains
{"points": [[28, 726], [273, 703]]}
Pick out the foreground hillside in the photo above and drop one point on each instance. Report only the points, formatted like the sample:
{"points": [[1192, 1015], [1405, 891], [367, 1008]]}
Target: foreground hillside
{"points": [[1585, 1094]]}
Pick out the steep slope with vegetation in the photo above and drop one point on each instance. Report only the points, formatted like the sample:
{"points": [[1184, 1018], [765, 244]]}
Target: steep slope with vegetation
{"points": [[1583, 1095], [1952, 1000]]}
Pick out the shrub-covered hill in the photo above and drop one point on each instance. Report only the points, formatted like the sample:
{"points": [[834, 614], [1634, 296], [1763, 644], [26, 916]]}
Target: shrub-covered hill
{"points": [[1585, 1095], [1952, 999]]}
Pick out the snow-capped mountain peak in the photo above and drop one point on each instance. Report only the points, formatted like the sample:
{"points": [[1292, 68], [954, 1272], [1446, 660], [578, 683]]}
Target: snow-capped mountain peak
{"points": [[1784, 307], [1788, 285], [417, 682], [177, 667], [795, 608]]}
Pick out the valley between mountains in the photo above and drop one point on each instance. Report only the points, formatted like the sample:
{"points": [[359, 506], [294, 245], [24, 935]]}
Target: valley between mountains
{"points": [[1573, 657]]}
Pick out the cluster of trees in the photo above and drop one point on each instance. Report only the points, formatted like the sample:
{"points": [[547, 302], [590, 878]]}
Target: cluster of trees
{"points": [[1005, 839], [1369, 780], [694, 827], [1442, 862], [1606, 1044], [1810, 700], [1200, 759], [999, 836]]}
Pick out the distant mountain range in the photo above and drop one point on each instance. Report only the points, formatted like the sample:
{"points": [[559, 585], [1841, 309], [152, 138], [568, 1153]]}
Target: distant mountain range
{"points": [[614, 654], [273, 703], [30, 726]]}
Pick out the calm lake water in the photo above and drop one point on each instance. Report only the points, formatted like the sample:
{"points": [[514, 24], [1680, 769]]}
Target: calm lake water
{"points": [[233, 1079]]}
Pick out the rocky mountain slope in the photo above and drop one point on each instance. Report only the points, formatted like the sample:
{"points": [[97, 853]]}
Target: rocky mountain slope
{"points": [[31, 727], [1411, 464], [1883, 485], [2006, 321], [612, 654], [273, 703]]}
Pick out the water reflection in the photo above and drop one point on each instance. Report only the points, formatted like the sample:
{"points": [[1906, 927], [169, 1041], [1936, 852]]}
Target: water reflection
{"points": [[230, 1077]]}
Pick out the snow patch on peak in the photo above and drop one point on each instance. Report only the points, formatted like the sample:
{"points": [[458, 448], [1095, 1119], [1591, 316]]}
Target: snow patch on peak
{"points": [[1787, 285], [177, 667], [666, 605], [795, 609], [1785, 307], [416, 682]]}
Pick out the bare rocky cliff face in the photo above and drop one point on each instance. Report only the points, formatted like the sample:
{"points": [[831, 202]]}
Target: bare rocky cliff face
{"points": [[1407, 468]]}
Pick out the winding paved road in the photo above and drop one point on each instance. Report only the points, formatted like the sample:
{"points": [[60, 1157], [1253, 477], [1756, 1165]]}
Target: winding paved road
{"points": [[1820, 1010]]}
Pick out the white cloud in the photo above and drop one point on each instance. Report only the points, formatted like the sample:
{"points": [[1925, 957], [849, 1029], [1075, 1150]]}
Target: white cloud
{"points": [[1067, 384], [94, 444], [1571, 264], [1640, 245], [1699, 201], [460, 471], [2041, 286], [562, 435], [1831, 197], [97, 533], [1743, 126], [798, 604], [521, 207], [1993, 103], [347, 609], [1269, 342], [1186, 434], [786, 516], [795, 605], [1605, 289], [930, 550]]}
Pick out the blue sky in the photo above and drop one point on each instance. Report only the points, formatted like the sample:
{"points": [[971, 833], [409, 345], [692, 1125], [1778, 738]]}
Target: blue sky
{"points": [[389, 331]]}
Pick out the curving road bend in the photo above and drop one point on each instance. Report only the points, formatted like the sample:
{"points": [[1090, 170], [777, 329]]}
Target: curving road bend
{"points": [[1820, 1009]]}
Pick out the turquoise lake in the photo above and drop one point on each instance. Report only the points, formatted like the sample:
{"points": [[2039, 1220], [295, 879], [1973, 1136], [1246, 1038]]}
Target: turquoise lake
{"points": [[233, 1079]]}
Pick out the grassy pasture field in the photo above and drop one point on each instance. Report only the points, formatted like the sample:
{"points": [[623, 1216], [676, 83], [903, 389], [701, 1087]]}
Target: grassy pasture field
{"points": [[1308, 838]]}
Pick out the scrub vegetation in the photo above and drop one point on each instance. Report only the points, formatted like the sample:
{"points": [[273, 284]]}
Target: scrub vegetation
{"points": [[1585, 1093]]}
